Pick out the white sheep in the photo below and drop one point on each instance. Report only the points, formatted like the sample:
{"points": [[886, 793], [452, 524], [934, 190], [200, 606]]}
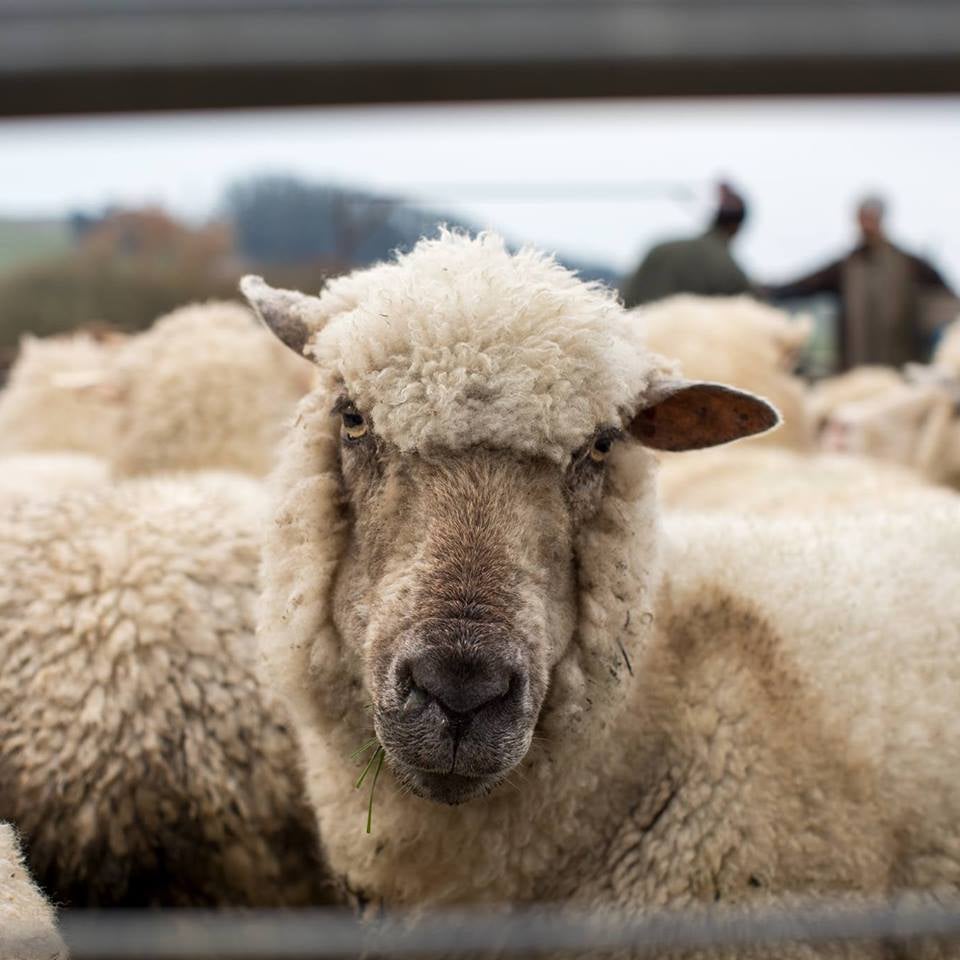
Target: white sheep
{"points": [[33, 474], [574, 703], [742, 342], [57, 399], [28, 928], [140, 758], [852, 386], [204, 388], [946, 356], [754, 480], [914, 425]]}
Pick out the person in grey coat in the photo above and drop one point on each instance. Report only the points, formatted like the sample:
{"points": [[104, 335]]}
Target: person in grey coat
{"points": [[891, 302]]}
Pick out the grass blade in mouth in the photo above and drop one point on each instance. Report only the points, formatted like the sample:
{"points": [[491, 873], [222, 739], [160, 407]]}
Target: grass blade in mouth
{"points": [[379, 755]]}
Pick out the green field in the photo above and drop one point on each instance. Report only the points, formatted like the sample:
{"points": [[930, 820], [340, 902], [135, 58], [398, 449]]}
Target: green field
{"points": [[24, 240]]}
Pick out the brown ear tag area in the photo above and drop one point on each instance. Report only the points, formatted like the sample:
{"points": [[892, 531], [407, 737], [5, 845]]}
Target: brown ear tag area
{"points": [[691, 416]]}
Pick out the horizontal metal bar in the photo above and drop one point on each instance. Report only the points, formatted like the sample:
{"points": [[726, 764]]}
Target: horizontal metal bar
{"points": [[165, 935], [66, 55]]}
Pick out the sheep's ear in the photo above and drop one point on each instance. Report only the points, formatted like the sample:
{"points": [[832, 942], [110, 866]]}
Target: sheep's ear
{"points": [[289, 314], [691, 415]]}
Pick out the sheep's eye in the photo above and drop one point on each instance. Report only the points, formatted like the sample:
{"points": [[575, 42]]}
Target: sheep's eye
{"points": [[600, 449], [354, 426]]}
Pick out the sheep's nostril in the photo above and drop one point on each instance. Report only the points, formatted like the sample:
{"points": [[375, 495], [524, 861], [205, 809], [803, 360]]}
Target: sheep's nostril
{"points": [[416, 700]]}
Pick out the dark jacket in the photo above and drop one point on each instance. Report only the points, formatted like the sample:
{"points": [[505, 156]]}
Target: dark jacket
{"points": [[880, 288], [702, 265]]}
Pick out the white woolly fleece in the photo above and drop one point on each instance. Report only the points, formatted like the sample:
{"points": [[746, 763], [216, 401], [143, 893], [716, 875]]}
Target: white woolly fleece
{"points": [[28, 929]]}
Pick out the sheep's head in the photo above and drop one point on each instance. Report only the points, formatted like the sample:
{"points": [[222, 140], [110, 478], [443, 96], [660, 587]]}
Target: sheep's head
{"points": [[479, 407]]}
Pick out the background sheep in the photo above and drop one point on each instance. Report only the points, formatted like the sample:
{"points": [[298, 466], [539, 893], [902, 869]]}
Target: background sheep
{"points": [[726, 711], [739, 341], [27, 475], [139, 757], [753, 480], [946, 356], [205, 388], [57, 397], [27, 924], [860, 383]]}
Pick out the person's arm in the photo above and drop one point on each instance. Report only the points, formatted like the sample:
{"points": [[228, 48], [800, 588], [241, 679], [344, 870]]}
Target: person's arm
{"points": [[926, 274], [825, 280]]}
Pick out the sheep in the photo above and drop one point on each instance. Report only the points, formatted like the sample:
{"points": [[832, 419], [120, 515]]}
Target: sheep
{"points": [[55, 399], [48, 474], [914, 425], [140, 758], [576, 698], [853, 386], [28, 928], [739, 341], [946, 356], [754, 480], [204, 388]]}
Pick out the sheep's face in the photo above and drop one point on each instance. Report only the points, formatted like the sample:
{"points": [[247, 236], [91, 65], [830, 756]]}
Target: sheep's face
{"points": [[459, 583], [480, 395]]}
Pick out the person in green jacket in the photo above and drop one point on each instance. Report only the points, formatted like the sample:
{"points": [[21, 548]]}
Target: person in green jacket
{"points": [[702, 264]]}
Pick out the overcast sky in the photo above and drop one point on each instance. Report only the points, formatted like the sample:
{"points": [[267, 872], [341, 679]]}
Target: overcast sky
{"points": [[598, 180]]}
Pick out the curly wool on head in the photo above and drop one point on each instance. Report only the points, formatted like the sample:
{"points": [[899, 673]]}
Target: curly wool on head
{"points": [[140, 758]]}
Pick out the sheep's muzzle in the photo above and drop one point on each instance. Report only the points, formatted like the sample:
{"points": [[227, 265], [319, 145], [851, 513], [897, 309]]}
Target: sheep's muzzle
{"points": [[458, 712]]}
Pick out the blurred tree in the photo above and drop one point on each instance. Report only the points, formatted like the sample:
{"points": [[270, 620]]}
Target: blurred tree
{"points": [[127, 268]]}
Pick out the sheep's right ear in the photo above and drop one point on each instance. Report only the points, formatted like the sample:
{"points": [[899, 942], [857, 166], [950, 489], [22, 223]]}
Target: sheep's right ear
{"points": [[290, 315], [690, 415]]}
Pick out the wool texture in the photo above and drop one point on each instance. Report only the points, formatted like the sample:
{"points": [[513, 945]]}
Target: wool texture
{"points": [[204, 388], [140, 758], [55, 399], [743, 705], [28, 928]]}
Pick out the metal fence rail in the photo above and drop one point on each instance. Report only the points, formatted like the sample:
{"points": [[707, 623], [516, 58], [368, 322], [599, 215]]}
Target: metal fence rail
{"points": [[94, 55], [164, 935]]}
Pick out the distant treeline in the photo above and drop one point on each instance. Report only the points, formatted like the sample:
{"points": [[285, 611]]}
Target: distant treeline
{"points": [[122, 268]]}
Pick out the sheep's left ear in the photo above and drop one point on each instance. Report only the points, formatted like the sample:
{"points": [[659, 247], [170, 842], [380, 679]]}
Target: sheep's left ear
{"points": [[691, 415], [292, 316]]}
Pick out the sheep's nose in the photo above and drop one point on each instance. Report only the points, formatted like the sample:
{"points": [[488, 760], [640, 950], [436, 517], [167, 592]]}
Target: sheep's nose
{"points": [[460, 683]]}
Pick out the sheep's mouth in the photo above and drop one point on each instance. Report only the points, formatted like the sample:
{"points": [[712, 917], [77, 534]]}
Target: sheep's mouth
{"points": [[451, 789]]}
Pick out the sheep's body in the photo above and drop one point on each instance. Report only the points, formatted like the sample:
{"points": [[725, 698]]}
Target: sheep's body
{"points": [[913, 425], [54, 399], [946, 356], [205, 388], [739, 708], [738, 341], [139, 757], [752, 756], [28, 929], [47, 474], [860, 383], [751, 480]]}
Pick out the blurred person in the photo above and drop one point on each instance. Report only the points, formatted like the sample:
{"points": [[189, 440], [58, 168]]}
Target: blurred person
{"points": [[701, 264], [887, 315]]}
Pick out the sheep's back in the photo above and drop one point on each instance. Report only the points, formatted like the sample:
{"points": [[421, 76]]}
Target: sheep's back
{"points": [[147, 764]]}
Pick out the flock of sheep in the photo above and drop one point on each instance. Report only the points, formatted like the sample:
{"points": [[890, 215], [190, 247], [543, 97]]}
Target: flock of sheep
{"points": [[593, 668]]}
